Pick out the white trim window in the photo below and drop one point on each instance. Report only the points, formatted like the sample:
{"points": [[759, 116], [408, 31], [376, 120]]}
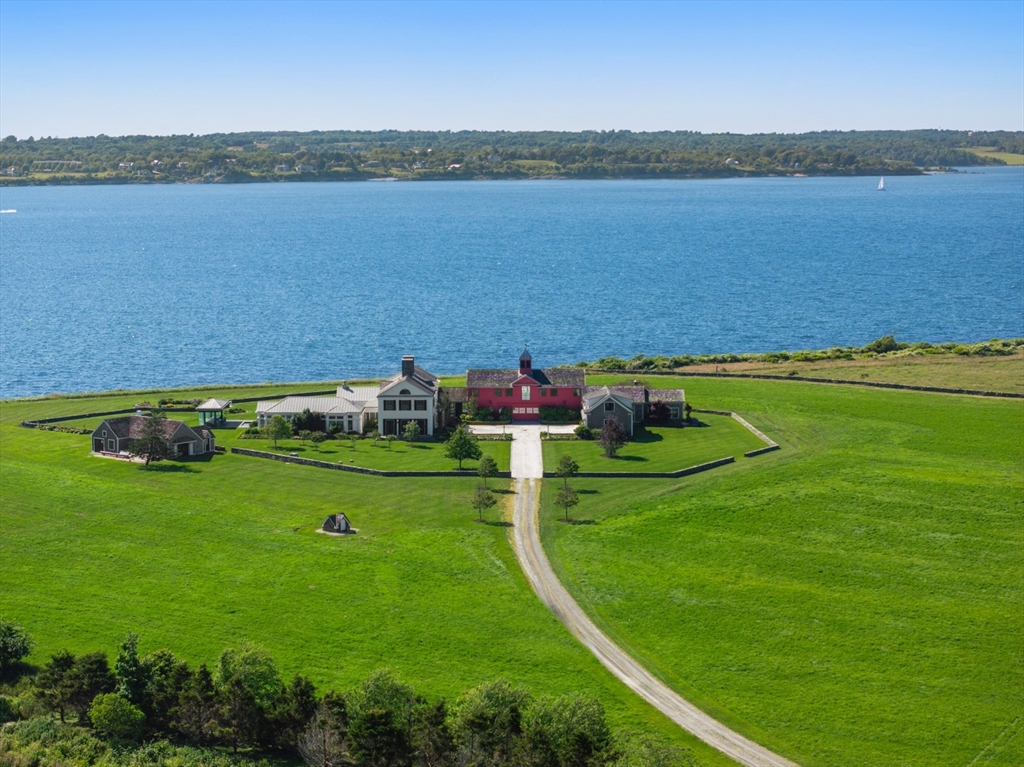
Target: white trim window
{"points": [[526, 393]]}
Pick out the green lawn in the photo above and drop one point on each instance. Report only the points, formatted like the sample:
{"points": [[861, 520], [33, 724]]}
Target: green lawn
{"points": [[201, 555], [400, 456], [856, 598], [661, 448], [1008, 157]]}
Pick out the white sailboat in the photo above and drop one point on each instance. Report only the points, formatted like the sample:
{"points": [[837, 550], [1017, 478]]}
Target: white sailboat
{"points": [[881, 184]]}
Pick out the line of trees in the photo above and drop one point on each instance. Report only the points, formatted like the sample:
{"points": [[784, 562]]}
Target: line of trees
{"points": [[353, 155], [242, 704]]}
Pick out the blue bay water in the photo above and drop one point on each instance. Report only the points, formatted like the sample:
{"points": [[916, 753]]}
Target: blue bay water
{"points": [[125, 287]]}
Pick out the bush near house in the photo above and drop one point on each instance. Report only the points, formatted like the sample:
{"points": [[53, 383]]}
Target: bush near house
{"points": [[559, 415]]}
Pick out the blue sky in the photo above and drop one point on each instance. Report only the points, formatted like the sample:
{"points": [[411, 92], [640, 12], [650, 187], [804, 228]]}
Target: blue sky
{"points": [[82, 68]]}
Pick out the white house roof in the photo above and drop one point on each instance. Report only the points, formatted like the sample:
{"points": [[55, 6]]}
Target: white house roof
{"points": [[214, 404], [324, 405], [362, 394]]}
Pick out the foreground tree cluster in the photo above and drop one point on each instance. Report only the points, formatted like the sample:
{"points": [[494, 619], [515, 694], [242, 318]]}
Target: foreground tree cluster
{"points": [[242, 705]]}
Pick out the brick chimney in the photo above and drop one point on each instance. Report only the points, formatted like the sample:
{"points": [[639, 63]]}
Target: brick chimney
{"points": [[408, 366]]}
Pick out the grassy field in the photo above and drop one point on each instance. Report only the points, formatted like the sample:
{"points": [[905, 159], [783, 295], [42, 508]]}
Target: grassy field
{"points": [[199, 556], [856, 598], [1008, 157], [401, 456], [661, 448], [947, 370]]}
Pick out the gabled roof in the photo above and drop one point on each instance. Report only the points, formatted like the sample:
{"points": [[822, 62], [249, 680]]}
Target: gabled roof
{"points": [[632, 393], [130, 427], [486, 379], [359, 394], [595, 395], [420, 377]]}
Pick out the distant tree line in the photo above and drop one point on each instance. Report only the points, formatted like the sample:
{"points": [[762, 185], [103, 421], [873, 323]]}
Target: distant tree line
{"points": [[79, 709], [355, 155]]}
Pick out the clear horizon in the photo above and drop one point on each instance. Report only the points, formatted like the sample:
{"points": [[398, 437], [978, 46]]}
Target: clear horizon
{"points": [[164, 68]]}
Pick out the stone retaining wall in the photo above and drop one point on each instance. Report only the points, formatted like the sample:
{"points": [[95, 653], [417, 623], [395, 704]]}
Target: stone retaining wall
{"points": [[651, 474], [760, 450], [284, 458]]}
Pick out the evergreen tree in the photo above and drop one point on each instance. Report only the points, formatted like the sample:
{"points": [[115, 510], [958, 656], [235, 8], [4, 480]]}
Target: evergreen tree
{"points": [[131, 673]]}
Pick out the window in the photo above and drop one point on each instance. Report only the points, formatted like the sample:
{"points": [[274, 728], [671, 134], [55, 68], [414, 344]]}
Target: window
{"points": [[575, 392], [526, 393], [475, 392], [553, 393], [405, 391], [110, 445], [543, 392], [498, 392], [104, 433], [508, 392], [404, 404], [609, 406], [420, 404], [389, 404]]}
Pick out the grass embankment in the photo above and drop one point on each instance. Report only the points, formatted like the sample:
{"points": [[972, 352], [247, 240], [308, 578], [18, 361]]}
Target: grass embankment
{"points": [[661, 448], [1009, 158], [200, 556], [1004, 374], [855, 598]]}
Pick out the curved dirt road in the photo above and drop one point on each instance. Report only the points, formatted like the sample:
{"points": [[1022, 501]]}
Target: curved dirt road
{"points": [[527, 469]]}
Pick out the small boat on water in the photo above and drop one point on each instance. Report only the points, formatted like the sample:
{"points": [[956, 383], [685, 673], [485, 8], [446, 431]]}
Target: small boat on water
{"points": [[881, 184]]}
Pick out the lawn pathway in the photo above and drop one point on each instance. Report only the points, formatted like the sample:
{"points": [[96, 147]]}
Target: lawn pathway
{"points": [[527, 471]]}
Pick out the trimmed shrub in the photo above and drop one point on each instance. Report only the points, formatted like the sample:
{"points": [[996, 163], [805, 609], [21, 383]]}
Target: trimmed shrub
{"points": [[115, 717], [583, 432]]}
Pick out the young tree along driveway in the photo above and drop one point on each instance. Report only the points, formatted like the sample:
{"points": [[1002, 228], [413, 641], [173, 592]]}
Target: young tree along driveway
{"points": [[527, 471]]}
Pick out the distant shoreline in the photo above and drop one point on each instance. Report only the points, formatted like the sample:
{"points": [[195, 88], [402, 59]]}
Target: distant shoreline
{"points": [[329, 179]]}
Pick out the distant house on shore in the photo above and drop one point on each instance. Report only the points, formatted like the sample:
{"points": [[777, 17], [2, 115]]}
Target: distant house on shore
{"points": [[629, 405], [115, 435]]}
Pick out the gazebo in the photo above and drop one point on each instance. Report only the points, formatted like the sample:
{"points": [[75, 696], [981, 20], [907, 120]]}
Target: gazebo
{"points": [[212, 411]]}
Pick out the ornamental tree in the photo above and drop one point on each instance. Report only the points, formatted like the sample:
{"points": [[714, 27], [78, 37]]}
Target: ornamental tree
{"points": [[462, 446], [566, 499], [278, 428], [411, 431], [567, 469], [482, 499], [487, 468], [612, 437]]}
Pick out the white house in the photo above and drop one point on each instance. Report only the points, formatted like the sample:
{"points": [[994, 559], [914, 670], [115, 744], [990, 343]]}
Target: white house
{"points": [[411, 395], [350, 409]]}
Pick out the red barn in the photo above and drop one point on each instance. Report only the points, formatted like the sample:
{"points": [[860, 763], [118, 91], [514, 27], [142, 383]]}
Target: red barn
{"points": [[526, 390]]}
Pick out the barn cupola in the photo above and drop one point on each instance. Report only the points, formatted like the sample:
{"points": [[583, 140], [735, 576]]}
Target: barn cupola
{"points": [[525, 363]]}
